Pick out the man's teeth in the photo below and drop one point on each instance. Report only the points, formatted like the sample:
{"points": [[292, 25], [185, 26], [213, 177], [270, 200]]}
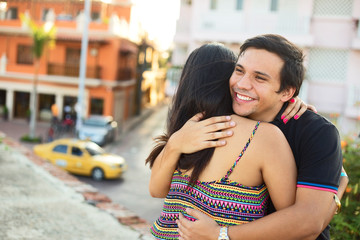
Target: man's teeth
{"points": [[241, 97]]}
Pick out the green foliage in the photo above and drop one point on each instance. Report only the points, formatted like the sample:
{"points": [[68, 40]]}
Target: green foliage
{"points": [[29, 139], [42, 35], [346, 225]]}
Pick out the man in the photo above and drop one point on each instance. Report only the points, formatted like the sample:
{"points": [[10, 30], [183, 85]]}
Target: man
{"points": [[268, 67]]}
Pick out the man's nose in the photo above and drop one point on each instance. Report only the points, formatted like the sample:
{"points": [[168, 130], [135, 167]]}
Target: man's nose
{"points": [[244, 82]]}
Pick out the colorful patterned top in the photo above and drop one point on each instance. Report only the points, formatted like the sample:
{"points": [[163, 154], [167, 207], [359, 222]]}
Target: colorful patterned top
{"points": [[224, 200]]}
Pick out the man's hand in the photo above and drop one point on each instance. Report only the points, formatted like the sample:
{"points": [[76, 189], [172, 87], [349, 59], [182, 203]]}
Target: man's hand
{"points": [[202, 229], [197, 134]]}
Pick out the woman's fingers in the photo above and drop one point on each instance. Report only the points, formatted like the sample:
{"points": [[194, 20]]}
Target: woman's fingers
{"points": [[295, 109], [312, 108]]}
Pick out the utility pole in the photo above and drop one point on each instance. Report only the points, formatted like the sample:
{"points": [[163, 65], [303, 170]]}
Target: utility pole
{"points": [[82, 74]]}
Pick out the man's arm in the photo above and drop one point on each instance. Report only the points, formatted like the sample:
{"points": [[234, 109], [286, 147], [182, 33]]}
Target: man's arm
{"points": [[306, 219]]}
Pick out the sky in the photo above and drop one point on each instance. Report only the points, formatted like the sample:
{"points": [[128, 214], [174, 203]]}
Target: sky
{"points": [[159, 17]]}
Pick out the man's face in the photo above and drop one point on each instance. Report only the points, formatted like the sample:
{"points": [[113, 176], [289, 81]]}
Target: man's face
{"points": [[254, 85]]}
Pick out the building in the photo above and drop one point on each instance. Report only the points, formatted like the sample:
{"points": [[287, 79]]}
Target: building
{"points": [[111, 70], [327, 30]]}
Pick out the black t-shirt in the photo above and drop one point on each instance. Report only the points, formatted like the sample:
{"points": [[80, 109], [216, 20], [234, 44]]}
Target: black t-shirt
{"points": [[315, 144]]}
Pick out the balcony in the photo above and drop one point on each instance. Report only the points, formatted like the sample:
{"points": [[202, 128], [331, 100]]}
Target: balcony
{"points": [[73, 70]]}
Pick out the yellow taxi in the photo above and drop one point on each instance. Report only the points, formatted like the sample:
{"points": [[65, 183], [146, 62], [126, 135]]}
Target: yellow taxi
{"points": [[82, 157]]}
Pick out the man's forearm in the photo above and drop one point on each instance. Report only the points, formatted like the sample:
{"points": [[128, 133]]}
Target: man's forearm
{"points": [[279, 225], [344, 180], [304, 220]]}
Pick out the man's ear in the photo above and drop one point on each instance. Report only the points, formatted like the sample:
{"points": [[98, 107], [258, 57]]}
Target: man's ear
{"points": [[287, 94]]}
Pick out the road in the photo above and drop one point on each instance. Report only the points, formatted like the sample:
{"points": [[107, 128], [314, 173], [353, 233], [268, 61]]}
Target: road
{"points": [[131, 190]]}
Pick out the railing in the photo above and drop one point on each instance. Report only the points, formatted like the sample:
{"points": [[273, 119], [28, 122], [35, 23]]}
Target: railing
{"points": [[72, 70]]}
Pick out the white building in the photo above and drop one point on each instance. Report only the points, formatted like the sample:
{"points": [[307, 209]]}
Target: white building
{"points": [[327, 30]]}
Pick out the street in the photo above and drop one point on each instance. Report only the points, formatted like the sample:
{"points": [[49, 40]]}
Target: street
{"points": [[131, 190]]}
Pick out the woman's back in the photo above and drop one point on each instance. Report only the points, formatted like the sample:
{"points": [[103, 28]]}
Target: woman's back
{"points": [[267, 145]]}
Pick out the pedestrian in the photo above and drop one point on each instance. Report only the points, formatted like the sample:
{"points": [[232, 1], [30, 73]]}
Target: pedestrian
{"points": [[267, 67], [50, 134], [54, 113], [231, 177]]}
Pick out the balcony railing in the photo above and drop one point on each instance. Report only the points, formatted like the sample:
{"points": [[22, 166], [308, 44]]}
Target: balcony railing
{"points": [[72, 70]]}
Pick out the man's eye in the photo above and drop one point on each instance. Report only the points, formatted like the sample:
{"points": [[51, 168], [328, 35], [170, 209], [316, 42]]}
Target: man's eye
{"points": [[238, 70], [260, 78]]}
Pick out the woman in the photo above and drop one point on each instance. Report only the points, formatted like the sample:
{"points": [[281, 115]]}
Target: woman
{"points": [[231, 184]]}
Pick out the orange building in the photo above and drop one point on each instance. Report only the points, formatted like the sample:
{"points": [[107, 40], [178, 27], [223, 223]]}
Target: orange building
{"points": [[110, 82]]}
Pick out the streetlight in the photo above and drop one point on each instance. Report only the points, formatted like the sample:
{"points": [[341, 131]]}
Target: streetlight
{"points": [[82, 74]]}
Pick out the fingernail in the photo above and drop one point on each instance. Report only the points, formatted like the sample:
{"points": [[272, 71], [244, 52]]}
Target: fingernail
{"points": [[296, 117], [232, 123], [222, 142], [282, 117], [285, 120], [228, 117], [292, 100], [229, 133]]}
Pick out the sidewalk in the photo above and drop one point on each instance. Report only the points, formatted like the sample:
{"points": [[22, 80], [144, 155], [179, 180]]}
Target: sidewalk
{"points": [[43, 202]]}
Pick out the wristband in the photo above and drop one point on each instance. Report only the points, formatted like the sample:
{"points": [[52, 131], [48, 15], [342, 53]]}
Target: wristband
{"points": [[223, 234], [343, 174], [338, 204]]}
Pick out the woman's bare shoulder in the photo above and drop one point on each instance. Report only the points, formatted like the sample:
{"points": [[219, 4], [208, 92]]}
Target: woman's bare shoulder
{"points": [[266, 128]]}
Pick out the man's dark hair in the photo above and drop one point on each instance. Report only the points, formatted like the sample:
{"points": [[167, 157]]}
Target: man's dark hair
{"points": [[293, 72]]}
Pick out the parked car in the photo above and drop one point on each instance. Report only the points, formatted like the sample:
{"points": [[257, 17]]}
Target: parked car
{"points": [[82, 157], [99, 129]]}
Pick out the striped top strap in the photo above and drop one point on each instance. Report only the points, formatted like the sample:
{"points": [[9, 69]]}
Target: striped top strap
{"points": [[242, 152]]}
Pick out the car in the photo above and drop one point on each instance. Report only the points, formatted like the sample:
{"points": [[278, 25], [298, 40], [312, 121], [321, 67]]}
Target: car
{"points": [[99, 129], [82, 157]]}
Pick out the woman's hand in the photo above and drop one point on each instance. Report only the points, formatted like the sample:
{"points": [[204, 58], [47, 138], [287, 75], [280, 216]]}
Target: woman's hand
{"points": [[295, 109], [199, 134]]}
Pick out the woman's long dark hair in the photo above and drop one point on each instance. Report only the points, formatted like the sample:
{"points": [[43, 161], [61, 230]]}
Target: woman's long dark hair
{"points": [[203, 88]]}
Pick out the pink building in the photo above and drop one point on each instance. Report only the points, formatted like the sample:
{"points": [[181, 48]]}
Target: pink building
{"points": [[327, 30]]}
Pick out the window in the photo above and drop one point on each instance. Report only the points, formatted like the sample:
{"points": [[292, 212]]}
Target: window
{"points": [[274, 5], [12, 13], [73, 56], [44, 13], [327, 65], [60, 148], [239, 4], [333, 7], [95, 16], [213, 4], [24, 55], [96, 106], [76, 151]]}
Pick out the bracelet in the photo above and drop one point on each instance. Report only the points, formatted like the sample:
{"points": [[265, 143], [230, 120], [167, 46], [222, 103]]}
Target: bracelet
{"points": [[223, 233], [338, 204], [343, 174]]}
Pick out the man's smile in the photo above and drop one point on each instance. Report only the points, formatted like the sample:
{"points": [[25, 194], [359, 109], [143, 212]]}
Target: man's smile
{"points": [[243, 97]]}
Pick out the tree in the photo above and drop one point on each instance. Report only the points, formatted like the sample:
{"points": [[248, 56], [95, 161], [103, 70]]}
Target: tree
{"points": [[42, 36]]}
